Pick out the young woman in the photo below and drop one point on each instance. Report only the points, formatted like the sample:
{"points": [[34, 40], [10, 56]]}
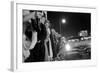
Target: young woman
{"points": [[47, 43]]}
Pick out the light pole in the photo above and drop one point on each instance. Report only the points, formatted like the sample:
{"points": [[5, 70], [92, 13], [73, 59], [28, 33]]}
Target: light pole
{"points": [[63, 21]]}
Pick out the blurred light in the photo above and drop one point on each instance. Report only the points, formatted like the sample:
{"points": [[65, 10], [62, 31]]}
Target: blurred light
{"points": [[68, 47], [63, 21]]}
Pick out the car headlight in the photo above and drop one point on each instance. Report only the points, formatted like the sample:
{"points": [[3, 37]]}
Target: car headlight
{"points": [[67, 47]]}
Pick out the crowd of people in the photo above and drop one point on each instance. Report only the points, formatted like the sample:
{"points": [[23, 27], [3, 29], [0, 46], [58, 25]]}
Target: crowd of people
{"points": [[40, 41]]}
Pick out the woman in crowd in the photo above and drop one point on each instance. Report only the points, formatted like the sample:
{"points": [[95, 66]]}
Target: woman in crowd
{"points": [[47, 43]]}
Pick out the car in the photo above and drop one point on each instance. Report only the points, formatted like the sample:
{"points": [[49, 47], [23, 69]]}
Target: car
{"points": [[76, 50]]}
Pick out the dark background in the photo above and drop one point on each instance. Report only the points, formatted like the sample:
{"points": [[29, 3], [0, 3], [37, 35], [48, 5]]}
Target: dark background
{"points": [[75, 22]]}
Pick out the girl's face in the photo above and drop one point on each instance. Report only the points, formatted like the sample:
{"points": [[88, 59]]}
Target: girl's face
{"points": [[47, 25]]}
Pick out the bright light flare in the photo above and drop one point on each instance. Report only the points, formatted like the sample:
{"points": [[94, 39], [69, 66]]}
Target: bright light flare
{"points": [[68, 47], [63, 21]]}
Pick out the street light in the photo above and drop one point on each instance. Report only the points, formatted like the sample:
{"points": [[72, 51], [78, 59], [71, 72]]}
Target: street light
{"points": [[63, 21]]}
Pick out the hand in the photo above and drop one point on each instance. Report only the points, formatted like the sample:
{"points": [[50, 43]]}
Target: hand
{"points": [[26, 54]]}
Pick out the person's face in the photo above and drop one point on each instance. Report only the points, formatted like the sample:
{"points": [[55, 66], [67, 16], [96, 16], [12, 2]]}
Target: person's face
{"points": [[39, 14], [42, 20]]}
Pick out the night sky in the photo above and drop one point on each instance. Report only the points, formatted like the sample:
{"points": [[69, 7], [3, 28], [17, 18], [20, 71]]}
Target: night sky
{"points": [[75, 22]]}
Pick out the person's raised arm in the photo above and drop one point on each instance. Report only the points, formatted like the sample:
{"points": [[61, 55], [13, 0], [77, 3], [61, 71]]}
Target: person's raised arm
{"points": [[29, 16], [50, 48], [34, 40]]}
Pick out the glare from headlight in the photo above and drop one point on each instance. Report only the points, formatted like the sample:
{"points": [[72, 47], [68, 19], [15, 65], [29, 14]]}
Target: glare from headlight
{"points": [[68, 47]]}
